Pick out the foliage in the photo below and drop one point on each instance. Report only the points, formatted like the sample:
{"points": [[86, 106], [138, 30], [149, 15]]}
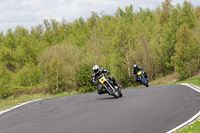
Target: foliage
{"points": [[30, 75], [7, 57], [5, 78], [187, 53], [58, 56], [59, 65], [84, 79]]}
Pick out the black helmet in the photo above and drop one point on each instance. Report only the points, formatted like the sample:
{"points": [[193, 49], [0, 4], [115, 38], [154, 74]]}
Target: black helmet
{"points": [[95, 68], [135, 66]]}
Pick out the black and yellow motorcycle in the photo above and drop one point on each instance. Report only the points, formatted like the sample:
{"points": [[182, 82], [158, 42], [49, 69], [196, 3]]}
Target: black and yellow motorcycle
{"points": [[109, 87]]}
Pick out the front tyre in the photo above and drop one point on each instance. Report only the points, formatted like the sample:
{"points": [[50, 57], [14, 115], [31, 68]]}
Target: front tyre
{"points": [[142, 81], [116, 94], [120, 94], [145, 82]]}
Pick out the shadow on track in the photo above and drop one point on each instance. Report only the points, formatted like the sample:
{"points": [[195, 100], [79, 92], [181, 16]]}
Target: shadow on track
{"points": [[107, 98]]}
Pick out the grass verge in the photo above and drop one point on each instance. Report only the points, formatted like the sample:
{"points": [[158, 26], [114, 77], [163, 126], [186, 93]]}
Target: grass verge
{"points": [[193, 80], [192, 128]]}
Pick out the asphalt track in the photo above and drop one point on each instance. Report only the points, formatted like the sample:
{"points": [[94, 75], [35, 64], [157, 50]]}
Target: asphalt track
{"points": [[155, 109]]}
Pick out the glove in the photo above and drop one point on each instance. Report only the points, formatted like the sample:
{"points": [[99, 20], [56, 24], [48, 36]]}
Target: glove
{"points": [[96, 83], [108, 72]]}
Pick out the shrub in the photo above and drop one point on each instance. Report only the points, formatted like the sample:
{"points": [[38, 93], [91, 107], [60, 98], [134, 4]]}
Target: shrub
{"points": [[5, 78], [30, 75], [59, 66], [84, 79]]}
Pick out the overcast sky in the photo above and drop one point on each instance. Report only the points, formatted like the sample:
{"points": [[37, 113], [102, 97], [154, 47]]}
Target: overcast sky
{"points": [[28, 13]]}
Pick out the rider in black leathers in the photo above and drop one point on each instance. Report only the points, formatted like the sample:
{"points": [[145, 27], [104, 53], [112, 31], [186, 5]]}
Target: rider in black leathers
{"points": [[136, 69], [97, 72]]}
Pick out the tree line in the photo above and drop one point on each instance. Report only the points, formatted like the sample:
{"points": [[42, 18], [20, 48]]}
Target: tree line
{"points": [[58, 56]]}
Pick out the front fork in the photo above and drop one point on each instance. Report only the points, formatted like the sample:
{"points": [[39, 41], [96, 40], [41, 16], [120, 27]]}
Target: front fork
{"points": [[109, 91]]}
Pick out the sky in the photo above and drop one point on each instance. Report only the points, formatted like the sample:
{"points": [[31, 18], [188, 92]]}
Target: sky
{"points": [[30, 13]]}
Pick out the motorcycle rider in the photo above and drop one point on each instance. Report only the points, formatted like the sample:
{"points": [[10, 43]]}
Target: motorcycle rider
{"points": [[136, 69], [97, 72]]}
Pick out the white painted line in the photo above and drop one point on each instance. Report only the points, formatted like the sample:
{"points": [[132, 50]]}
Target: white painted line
{"points": [[191, 86], [4, 111], [191, 119], [185, 123]]}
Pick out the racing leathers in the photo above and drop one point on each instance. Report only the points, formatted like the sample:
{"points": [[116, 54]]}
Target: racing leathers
{"points": [[136, 70]]}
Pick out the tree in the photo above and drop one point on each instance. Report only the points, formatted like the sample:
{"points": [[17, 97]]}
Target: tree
{"points": [[7, 58], [188, 14], [10, 39], [168, 41], [166, 11], [5, 78], [187, 57], [59, 66], [126, 15]]}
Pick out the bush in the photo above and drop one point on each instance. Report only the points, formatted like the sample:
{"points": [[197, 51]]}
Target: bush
{"points": [[5, 78], [30, 75], [84, 79], [55, 74], [19, 90], [7, 57], [59, 66]]}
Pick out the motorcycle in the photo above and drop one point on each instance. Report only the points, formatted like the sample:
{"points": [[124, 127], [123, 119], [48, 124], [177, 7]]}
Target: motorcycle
{"points": [[110, 88], [142, 79]]}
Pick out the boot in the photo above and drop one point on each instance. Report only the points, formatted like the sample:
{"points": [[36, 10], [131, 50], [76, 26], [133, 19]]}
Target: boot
{"points": [[118, 85], [102, 92]]}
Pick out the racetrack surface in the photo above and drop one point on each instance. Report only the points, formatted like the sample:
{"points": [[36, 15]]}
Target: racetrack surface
{"points": [[155, 109]]}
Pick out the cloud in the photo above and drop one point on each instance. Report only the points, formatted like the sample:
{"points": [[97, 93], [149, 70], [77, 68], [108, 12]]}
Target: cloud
{"points": [[29, 13]]}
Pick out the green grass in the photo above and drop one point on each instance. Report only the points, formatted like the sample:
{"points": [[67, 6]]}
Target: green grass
{"points": [[194, 81], [192, 128]]}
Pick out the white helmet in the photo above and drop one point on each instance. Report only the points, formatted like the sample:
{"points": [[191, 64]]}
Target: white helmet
{"points": [[135, 66], [95, 68]]}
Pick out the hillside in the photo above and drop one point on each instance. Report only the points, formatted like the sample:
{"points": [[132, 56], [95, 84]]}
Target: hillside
{"points": [[57, 57]]}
